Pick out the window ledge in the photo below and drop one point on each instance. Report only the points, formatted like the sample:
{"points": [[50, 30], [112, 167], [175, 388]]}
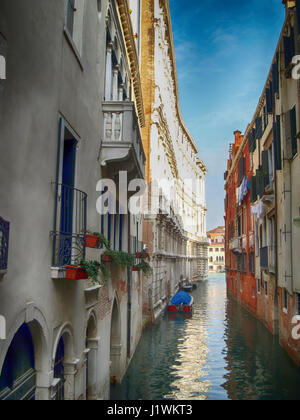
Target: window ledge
{"points": [[73, 47], [58, 273]]}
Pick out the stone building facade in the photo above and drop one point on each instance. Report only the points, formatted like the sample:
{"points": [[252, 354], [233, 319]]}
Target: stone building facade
{"points": [[175, 228], [71, 111], [216, 250]]}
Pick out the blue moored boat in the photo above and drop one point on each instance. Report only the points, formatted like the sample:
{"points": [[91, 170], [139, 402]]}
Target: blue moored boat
{"points": [[181, 302]]}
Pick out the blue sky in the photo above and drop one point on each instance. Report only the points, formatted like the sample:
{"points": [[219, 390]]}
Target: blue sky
{"points": [[224, 51]]}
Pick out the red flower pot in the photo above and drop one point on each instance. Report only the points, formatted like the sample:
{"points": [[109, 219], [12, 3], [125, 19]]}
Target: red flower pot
{"points": [[135, 269], [92, 241], [106, 258], [75, 273], [138, 255]]}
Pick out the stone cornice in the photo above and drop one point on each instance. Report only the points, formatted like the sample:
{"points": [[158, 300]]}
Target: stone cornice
{"points": [[164, 4], [126, 24]]}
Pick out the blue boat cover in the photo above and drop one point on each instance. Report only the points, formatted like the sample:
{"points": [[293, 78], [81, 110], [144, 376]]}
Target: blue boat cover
{"points": [[181, 298]]}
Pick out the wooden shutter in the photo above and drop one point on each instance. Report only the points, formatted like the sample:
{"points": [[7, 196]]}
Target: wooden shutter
{"points": [[265, 168], [287, 146], [275, 77], [293, 131], [269, 101], [277, 143], [289, 48], [258, 130]]}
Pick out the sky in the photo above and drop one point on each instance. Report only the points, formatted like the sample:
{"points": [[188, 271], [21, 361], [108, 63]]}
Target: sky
{"points": [[224, 50]]}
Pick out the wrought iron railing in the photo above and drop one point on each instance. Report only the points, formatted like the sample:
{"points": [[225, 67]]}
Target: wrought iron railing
{"points": [[69, 226], [4, 242]]}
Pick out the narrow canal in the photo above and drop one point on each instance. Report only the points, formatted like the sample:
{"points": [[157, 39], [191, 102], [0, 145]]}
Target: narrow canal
{"points": [[220, 353]]}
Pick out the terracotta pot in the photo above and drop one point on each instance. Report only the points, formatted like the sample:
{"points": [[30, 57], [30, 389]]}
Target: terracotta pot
{"points": [[75, 273], [92, 241]]}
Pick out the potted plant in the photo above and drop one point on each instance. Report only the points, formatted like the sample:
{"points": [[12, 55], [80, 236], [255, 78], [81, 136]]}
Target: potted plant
{"points": [[144, 267], [95, 239], [119, 258], [92, 268], [75, 273], [106, 258], [92, 241], [142, 255]]}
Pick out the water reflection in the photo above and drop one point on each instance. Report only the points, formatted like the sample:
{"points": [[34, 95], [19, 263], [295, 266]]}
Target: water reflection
{"points": [[220, 352]]}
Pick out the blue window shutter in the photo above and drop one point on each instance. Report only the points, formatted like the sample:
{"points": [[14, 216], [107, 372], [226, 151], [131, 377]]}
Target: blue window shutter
{"points": [[115, 230], [121, 232], [109, 228], [269, 101]]}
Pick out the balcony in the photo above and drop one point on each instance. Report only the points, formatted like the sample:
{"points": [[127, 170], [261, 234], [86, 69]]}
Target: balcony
{"points": [[122, 147], [4, 243], [69, 227], [235, 245], [264, 258]]}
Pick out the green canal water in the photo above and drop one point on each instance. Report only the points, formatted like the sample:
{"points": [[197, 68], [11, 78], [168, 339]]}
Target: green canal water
{"points": [[219, 353]]}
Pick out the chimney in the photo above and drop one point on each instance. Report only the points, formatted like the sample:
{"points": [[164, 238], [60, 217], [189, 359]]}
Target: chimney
{"points": [[288, 4], [238, 138]]}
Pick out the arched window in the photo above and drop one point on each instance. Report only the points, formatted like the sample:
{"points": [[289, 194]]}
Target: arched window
{"points": [[18, 376]]}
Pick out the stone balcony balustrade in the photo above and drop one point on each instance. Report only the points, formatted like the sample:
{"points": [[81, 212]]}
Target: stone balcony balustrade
{"points": [[122, 147]]}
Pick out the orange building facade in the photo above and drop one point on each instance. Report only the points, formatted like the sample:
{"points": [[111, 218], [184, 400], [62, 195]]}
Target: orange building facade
{"points": [[239, 246]]}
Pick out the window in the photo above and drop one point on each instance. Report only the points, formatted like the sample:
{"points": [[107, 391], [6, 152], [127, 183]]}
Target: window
{"points": [[74, 25], [70, 206], [70, 16], [99, 7], [266, 288], [18, 376], [258, 286], [285, 301]]}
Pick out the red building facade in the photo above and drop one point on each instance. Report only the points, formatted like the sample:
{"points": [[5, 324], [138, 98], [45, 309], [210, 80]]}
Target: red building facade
{"points": [[240, 245]]}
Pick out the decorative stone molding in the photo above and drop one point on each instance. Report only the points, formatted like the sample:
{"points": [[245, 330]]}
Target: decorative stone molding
{"points": [[92, 296], [130, 43]]}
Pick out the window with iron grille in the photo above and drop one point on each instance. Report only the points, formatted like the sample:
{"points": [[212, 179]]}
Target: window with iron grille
{"points": [[70, 216]]}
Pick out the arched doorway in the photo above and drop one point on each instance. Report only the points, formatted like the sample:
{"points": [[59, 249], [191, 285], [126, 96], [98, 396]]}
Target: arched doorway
{"points": [[64, 367], [59, 371], [91, 360], [115, 345], [18, 376]]}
